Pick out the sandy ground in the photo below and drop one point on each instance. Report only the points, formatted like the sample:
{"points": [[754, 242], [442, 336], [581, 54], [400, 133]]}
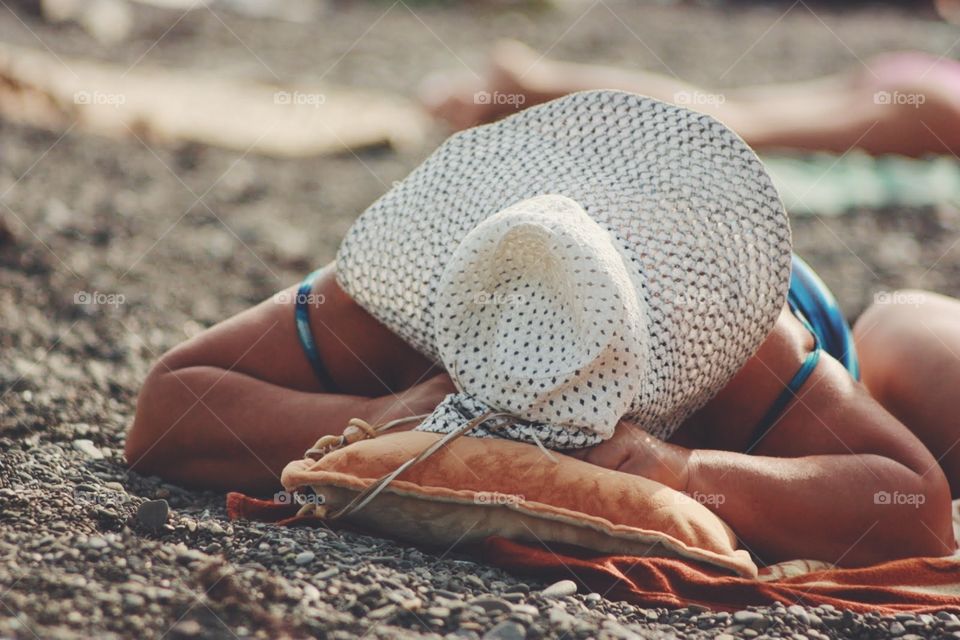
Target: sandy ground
{"points": [[173, 240]]}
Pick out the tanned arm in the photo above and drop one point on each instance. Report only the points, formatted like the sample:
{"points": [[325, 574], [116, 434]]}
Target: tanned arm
{"points": [[838, 479]]}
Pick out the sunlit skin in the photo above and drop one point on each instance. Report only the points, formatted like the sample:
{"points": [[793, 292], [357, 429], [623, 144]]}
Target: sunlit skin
{"points": [[230, 407]]}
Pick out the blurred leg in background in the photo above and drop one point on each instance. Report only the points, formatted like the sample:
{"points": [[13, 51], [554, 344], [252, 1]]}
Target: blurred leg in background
{"points": [[906, 103]]}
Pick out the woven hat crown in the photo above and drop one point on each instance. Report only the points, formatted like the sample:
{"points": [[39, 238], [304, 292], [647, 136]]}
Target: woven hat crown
{"points": [[539, 316]]}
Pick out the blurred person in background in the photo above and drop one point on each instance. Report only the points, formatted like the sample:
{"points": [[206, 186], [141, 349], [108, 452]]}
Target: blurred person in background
{"points": [[903, 103]]}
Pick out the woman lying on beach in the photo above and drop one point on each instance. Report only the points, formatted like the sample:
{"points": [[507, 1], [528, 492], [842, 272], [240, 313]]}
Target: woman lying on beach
{"points": [[903, 103], [654, 282]]}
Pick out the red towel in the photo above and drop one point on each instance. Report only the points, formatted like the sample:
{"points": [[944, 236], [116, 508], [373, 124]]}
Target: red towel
{"points": [[914, 585], [243, 507]]}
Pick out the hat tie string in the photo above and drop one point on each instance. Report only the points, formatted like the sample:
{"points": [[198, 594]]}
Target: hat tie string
{"points": [[358, 429]]}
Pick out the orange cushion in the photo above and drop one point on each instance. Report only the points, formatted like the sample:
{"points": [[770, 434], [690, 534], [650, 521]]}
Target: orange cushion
{"points": [[474, 488]]}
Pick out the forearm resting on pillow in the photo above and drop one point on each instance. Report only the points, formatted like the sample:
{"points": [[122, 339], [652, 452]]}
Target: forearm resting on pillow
{"points": [[212, 428], [852, 510]]}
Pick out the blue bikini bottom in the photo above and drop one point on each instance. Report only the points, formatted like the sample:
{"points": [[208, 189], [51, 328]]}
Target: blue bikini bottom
{"points": [[817, 309]]}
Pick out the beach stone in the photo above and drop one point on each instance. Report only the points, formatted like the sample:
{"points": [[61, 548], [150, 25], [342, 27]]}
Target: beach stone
{"points": [[491, 604], [134, 601], [475, 582], [186, 629], [750, 619], [560, 589], [800, 614], [326, 573], [153, 514], [87, 448], [96, 542], [506, 630], [383, 612], [305, 557], [561, 619], [917, 626], [897, 629], [617, 630], [832, 620], [213, 527]]}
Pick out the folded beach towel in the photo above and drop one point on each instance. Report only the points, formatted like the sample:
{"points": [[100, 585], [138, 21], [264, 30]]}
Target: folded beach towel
{"points": [[913, 585]]}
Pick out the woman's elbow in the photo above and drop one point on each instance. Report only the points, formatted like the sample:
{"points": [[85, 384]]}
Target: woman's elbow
{"points": [[918, 522], [151, 437], [939, 515]]}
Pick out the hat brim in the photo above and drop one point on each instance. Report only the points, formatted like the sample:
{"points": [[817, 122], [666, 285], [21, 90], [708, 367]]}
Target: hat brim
{"points": [[686, 199]]}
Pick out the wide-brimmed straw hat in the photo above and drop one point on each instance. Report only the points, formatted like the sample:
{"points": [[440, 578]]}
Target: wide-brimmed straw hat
{"points": [[599, 257]]}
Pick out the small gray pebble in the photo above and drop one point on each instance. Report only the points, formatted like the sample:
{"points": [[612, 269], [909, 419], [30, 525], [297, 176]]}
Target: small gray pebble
{"points": [[490, 604], [506, 630], [153, 514], [134, 601], [305, 557], [186, 629], [750, 619], [560, 589], [475, 581], [87, 448], [326, 574], [96, 542]]}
